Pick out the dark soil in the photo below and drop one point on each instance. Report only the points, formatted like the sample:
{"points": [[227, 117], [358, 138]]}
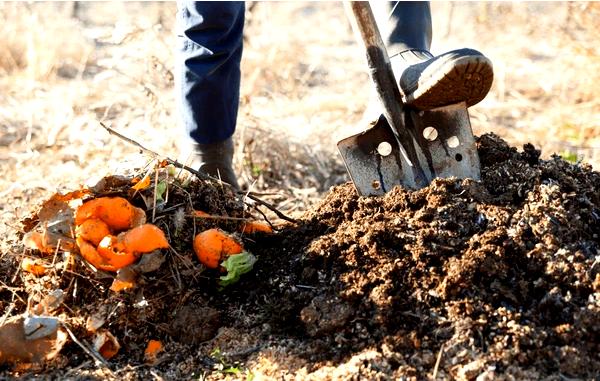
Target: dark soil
{"points": [[490, 279]]}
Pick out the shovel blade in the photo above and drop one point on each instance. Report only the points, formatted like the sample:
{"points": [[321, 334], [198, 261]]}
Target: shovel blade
{"points": [[442, 139], [371, 172]]}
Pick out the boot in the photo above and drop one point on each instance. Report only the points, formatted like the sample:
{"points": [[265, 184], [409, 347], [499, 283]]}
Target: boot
{"points": [[215, 160], [428, 82]]}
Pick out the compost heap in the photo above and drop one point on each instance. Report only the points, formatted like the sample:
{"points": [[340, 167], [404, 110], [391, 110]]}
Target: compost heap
{"points": [[463, 279]]}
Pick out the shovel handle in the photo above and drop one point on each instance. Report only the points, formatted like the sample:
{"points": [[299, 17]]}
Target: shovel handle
{"points": [[380, 69], [382, 75]]}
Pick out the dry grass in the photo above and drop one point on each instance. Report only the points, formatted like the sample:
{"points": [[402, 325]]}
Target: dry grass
{"points": [[63, 69]]}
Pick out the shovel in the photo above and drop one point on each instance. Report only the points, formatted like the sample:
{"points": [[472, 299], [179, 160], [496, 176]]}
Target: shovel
{"points": [[404, 146]]}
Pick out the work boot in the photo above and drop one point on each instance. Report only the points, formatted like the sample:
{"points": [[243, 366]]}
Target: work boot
{"points": [[428, 82], [215, 160]]}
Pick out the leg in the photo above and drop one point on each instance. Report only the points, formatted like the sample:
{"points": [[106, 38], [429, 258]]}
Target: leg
{"points": [[208, 80], [406, 25]]}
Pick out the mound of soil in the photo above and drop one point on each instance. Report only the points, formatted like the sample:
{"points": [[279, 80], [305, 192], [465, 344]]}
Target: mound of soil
{"points": [[490, 279]]}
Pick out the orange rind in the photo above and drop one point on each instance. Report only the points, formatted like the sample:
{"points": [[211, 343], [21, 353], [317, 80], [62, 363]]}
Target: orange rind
{"points": [[92, 230], [143, 239], [256, 227], [116, 212]]}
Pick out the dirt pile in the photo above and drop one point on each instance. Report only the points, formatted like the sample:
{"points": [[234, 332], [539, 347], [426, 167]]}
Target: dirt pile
{"points": [[463, 279], [503, 273]]}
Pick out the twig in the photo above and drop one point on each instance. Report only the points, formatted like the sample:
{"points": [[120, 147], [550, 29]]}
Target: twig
{"points": [[200, 175], [226, 218], [437, 362], [271, 208], [93, 354], [154, 195]]}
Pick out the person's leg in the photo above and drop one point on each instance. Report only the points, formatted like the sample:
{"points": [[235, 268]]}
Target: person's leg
{"points": [[427, 81], [209, 52], [406, 26]]}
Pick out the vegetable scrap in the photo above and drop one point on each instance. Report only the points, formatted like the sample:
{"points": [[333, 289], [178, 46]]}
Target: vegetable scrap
{"points": [[236, 265], [17, 347]]}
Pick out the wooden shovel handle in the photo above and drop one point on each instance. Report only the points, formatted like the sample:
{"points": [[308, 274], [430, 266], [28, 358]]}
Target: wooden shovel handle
{"points": [[380, 69]]}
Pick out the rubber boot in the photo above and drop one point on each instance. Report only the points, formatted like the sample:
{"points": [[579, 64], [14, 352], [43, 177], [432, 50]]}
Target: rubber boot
{"points": [[426, 81], [215, 160]]}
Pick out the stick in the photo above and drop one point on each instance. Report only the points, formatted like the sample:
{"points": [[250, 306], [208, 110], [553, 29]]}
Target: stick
{"points": [[98, 359], [437, 362], [215, 217], [201, 175]]}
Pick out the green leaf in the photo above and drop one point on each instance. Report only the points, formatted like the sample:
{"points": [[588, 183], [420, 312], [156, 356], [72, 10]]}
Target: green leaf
{"points": [[236, 265], [161, 188]]}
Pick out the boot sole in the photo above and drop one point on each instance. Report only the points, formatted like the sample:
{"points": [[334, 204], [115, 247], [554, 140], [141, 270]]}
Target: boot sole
{"points": [[465, 79]]}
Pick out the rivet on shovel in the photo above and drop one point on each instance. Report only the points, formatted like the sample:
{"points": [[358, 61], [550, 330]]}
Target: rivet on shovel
{"points": [[430, 133], [384, 149], [453, 142]]}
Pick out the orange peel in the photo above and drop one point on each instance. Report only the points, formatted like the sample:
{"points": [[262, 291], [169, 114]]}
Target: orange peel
{"points": [[213, 245], [106, 344], [32, 266], [92, 230], [114, 253], [116, 212], [153, 348], [144, 239], [90, 254], [256, 227]]}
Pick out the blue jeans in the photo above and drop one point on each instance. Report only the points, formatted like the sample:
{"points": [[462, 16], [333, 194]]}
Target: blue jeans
{"points": [[209, 50]]}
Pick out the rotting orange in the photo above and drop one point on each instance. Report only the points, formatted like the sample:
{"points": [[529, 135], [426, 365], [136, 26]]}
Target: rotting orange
{"points": [[92, 230], [213, 245]]}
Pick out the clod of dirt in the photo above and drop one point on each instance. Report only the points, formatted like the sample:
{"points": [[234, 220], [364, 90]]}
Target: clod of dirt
{"points": [[195, 324], [325, 315]]}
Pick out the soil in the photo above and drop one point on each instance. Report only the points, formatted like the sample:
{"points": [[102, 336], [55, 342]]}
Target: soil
{"points": [[491, 279]]}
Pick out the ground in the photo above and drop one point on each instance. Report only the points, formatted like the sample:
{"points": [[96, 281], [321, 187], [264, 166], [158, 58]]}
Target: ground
{"points": [[461, 280]]}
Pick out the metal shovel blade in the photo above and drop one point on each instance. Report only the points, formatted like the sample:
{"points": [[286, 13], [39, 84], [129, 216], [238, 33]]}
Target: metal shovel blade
{"points": [[443, 142], [372, 172]]}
